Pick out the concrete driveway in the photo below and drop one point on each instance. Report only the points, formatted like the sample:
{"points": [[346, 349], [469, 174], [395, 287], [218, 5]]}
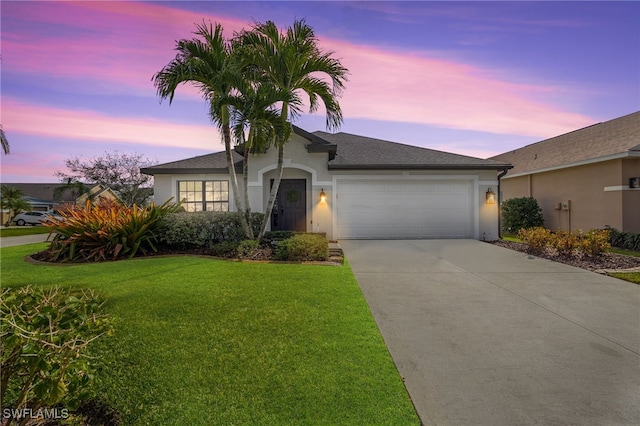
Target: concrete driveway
{"points": [[484, 335]]}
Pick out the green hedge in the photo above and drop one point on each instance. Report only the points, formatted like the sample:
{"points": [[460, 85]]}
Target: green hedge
{"points": [[204, 229]]}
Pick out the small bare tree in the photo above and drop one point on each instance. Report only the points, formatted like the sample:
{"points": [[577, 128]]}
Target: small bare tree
{"points": [[115, 170]]}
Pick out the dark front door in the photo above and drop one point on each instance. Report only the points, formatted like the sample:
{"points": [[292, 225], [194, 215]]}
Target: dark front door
{"points": [[290, 209]]}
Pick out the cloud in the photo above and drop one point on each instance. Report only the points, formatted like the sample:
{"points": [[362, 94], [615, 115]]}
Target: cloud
{"points": [[87, 126], [116, 47], [515, 17], [108, 46], [406, 87]]}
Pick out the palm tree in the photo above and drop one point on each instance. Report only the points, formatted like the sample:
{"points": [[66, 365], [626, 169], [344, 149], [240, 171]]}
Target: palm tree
{"points": [[256, 126], [291, 62], [4, 141], [74, 186], [207, 64], [11, 199]]}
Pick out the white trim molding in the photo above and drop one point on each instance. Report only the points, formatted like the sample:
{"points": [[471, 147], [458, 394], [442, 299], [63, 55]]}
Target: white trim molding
{"points": [[619, 188], [289, 165]]}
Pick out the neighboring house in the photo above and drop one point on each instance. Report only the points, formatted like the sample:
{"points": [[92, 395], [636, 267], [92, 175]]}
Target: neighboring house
{"points": [[96, 193], [583, 179], [372, 188], [41, 196]]}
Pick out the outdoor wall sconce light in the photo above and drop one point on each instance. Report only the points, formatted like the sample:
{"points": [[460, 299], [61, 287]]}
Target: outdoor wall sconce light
{"points": [[491, 196], [323, 196]]}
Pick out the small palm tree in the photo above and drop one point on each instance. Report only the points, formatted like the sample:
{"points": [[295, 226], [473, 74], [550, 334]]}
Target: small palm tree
{"points": [[206, 63], [75, 187], [11, 199], [292, 61]]}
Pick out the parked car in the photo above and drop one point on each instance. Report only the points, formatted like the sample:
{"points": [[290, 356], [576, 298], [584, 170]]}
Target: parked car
{"points": [[33, 218]]}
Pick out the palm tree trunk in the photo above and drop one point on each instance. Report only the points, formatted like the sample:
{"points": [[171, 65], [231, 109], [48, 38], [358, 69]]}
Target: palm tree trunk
{"points": [[274, 192], [277, 180], [245, 172], [226, 134]]}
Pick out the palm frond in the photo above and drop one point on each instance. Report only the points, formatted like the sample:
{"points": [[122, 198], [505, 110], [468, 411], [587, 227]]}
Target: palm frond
{"points": [[4, 141]]}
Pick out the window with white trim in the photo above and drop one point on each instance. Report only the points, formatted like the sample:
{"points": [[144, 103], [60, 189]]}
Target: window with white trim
{"points": [[207, 195]]}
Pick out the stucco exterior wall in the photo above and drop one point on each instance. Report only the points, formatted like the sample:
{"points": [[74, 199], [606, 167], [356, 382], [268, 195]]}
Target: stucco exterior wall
{"points": [[595, 195], [300, 164], [630, 197]]}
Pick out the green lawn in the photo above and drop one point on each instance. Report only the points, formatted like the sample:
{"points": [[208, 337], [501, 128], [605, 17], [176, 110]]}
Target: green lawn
{"points": [[625, 252], [201, 342], [633, 277], [24, 230]]}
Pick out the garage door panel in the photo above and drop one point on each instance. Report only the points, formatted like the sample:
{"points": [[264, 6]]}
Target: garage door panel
{"points": [[404, 209]]}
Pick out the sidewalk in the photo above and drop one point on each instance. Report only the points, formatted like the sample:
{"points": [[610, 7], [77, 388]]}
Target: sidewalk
{"points": [[25, 239]]}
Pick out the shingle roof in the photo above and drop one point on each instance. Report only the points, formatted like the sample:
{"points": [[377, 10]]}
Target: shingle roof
{"points": [[208, 163], [346, 151], [615, 137], [42, 191], [360, 152]]}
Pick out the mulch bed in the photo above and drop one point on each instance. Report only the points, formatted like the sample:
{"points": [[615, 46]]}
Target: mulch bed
{"points": [[261, 254], [608, 261]]}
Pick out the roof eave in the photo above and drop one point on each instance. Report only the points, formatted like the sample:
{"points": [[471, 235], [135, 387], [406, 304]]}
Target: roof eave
{"points": [[314, 139], [184, 171], [622, 155], [420, 166]]}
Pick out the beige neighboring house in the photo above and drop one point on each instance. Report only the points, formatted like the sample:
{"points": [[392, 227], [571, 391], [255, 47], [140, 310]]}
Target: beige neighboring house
{"points": [[586, 179], [96, 194]]}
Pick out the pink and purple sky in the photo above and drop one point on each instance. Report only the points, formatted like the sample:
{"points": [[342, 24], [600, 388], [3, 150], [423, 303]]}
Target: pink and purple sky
{"points": [[475, 78]]}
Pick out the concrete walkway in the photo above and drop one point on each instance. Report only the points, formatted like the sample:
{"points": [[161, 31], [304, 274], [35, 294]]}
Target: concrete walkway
{"points": [[484, 335], [19, 241]]}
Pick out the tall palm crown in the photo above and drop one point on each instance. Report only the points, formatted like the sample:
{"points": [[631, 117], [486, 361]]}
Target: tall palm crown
{"points": [[208, 64], [292, 62], [204, 63]]}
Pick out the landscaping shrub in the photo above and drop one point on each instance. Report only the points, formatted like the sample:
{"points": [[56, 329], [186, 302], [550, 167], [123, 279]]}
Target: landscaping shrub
{"points": [[45, 337], [247, 247], [521, 213], [274, 237], [564, 242], [624, 240], [204, 229], [303, 247], [536, 239], [106, 231], [184, 230], [594, 243], [225, 249], [591, 243]]}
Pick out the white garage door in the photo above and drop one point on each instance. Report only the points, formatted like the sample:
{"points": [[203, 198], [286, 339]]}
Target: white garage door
{"points": [[404, 209]]}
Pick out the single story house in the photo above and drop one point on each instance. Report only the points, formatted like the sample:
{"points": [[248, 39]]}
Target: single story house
{"points": [[585, 179], [96, 193], [349, 187], [45, 197]]}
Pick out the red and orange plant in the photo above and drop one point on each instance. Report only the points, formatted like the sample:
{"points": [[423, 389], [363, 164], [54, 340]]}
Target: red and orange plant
{"points": [[107, 231]]}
